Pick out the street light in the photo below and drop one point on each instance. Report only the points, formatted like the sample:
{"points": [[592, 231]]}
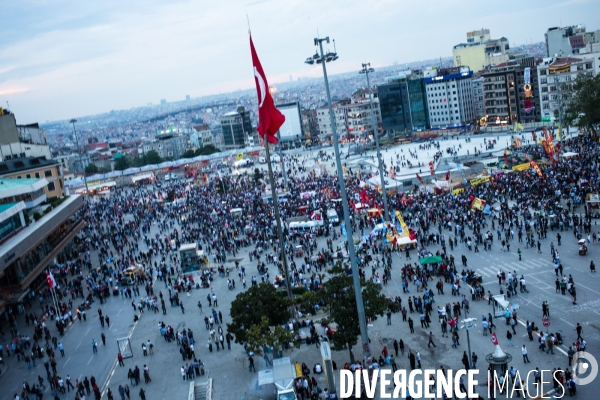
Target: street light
{"points": [[366, 68], [469, 323], [360, 308], [87, 192]]}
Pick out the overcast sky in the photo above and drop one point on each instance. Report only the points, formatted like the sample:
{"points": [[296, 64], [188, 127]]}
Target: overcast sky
{"points": [[62, 59]]}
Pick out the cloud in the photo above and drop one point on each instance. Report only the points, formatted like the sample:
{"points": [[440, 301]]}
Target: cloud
{"points": [[61, 59]]}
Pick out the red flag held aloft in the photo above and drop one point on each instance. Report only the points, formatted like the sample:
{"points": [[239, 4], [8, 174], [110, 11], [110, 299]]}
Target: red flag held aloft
{"points": [[50, 279], [269, 117], [419, 178], [448, 175]]}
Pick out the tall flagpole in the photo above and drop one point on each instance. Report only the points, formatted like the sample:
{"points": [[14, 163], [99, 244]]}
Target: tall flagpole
{"points": [[288, 282]]}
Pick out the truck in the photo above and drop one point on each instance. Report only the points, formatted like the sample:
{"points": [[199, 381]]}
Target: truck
{"points": [[282, 376]]}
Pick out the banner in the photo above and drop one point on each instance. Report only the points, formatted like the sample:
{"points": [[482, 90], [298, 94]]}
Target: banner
{"points": [[457, 191], [403, 227], [479, 181], [537, 169], [521, 167], [477, 204], [440, 184]]}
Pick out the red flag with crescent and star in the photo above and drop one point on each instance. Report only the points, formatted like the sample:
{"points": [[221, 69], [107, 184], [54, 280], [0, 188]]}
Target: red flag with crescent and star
{"points": [[269, 117]]}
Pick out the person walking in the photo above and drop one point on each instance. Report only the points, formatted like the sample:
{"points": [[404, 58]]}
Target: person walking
{"points": [[509, 337], [94, 346], [389, 317], [411, 325], [579, 330], [142, 394], [430, 342], [61, 348], [122, 392], [525, 356], [251, 364], [474, 360], [103, 337], [465, 360], [396, 347], [120, 359]]}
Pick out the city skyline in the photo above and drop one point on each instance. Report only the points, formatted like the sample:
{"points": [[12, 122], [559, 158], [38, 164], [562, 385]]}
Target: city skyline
{"points": [[64, 59]]}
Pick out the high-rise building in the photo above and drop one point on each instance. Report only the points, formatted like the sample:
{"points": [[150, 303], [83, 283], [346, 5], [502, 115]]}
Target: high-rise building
{"points": [[450, 97], [510, 93], [236, 128], [310, 124], [403, 104], [480, 50], [478, 105]]}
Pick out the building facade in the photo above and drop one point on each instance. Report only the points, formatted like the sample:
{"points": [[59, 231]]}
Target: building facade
{"points": [[26, 251], [478, 104], [480, 51], [236, 128], [511, 94], [36, 168], [450, 97], [201, 136], [403, 104], [167, 145], [310, 123], [556, 77]]}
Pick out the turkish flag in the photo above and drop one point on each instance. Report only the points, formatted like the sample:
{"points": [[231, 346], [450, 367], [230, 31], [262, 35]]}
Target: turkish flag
{"points": [[419, 178], [494, 339], [50, 279], [448, 175], [269, 117]]}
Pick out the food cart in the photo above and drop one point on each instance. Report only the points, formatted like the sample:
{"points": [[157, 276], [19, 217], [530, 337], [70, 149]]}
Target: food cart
{"points": [[298, 252], [192, 259], [582, 247]]}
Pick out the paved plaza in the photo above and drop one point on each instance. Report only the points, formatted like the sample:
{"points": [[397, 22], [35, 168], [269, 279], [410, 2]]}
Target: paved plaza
{"points": [[229, 368]]}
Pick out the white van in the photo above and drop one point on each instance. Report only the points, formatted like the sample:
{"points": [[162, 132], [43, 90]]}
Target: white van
{"points": [[242, 163], [332, 216]]}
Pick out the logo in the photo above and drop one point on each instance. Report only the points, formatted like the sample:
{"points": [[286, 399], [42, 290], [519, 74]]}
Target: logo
{"points": [[583, 362]]}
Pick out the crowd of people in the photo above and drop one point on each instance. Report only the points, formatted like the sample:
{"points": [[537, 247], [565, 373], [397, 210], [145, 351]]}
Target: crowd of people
{"points": [[120, 230]]}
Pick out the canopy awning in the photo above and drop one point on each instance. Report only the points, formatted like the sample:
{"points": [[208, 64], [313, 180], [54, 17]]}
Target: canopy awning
{"points": [[140, 177], [430, 260]]}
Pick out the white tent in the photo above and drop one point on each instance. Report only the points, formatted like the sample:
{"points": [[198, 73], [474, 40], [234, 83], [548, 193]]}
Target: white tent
{"points": [[569, 154], [147, 175]]}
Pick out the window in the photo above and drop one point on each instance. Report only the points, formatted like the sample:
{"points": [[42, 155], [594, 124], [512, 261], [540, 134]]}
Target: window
{"points": [[48, 173], [37, 174], [28, 176], [19, 177], [51, 187]]}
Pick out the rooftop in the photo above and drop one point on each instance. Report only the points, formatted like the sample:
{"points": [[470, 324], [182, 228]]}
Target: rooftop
{"points": [[16, 187], [24, 164]]}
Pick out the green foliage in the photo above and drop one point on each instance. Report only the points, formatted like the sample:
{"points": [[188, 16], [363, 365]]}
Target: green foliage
{"points": [[37, 216], [261, 334], [206, 150], [152, 158], [583, 107], [250, 306], [258, 175], [122, 164], [91, 169], [189, 153], [338, 293]]}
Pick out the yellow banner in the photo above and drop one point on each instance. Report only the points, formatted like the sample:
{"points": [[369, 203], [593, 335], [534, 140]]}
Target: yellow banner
{"points": [[521, 167], [479, 181], [402, 223], [457, 191], [478, 204]]}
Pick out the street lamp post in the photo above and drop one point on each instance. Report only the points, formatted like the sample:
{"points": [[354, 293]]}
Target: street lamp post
{"points": [[87, 192], [469, 323], [360, 308], [366, 69]]}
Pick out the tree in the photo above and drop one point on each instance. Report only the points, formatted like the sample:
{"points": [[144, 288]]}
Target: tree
{"points": [[207, 150], [261, 335], [250, 306], [258, 175], [91, 169], [338, 293], [189, 153], [583, 105], [153, 158], [122, 163]]}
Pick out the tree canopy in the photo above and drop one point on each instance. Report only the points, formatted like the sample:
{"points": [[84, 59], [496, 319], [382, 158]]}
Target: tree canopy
{"points": [[122, 163], [583, 108], [91, 168], [338, 293], [258, 301], [261, 335]]}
